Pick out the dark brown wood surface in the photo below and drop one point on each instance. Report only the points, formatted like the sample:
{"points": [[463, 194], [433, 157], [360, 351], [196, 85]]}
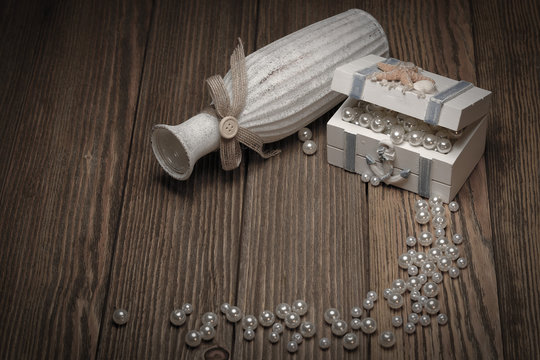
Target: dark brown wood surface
{"points": [[89, 222]]}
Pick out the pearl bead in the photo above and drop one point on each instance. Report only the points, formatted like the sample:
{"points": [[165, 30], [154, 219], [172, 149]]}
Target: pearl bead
{"points": [[372, 295], [420, 259], [249, 322], [273, 337], [365, 119], [267, 318], [444, 145], [424, 320], [377, 124], [399, 286], [431, 289], [207, 332], [452, 252], [437, 277], [178, 317], [300, 307], [356, 323], [304, 134], [387, 292], [413, 284], [282, 310], [409, 328], [292, 320], [415, 137], [438, 210], [404, 261], [225, 308], [415, 295], [416, 307], [410, 241], [420, 204], [390, 122], [442, 243], [457, 239], [413, 318], [438, 222], [397, 134], [387, 339], [412, 252], [422, 216], [193, 338], [435, 200], [347, 114], [409, 123], [249, 334], [412, 270], [434, 254], [339, 327], [234, 314], [356, 312], [277, 328], [350, 341], [428, 268], [330, 315], [395, 301], [425, 238], [367, 304], [120, 316], [461, 263], [188, 308], [366, 177], [444, 264], [211, 319], [423, 300], [324, 343], [432, 306], [453, 272], [442, 319], [297, 337], [440, 232], [453, 206], [292, 346], [429, 141], [309, 147], [397, 321], [369, 325], [375, 180], [422, 278], [308, 329]]}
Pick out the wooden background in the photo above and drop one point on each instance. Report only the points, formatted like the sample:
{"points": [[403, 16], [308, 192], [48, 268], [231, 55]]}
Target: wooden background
{"points": [[90, 222]]}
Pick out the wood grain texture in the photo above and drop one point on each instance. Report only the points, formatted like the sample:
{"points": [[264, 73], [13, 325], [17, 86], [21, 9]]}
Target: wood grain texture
{"points": [[178, 241], [65, 132], [507, 62]]}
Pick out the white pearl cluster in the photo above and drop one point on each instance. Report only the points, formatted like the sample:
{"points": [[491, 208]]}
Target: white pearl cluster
{"points": [[309, 147], [400, 128]]}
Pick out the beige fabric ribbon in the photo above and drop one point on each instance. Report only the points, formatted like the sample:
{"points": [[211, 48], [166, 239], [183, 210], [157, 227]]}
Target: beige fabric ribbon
{"points": [[227, 112]]}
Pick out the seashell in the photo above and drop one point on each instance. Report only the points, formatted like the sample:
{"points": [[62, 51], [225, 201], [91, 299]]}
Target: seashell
{"points": [[424, 86], [288, 87]]}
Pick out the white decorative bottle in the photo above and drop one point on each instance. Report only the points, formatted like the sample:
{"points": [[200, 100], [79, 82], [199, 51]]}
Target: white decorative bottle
{"points": [[288, 87]]}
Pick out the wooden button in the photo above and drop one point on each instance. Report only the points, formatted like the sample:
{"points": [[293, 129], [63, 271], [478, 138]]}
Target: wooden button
{"points": [[228, 127]]}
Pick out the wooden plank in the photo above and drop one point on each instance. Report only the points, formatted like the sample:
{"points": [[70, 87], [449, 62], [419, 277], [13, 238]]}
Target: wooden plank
{"points": [[70, 78], [178, 241], [507, 61], [433, 37]]}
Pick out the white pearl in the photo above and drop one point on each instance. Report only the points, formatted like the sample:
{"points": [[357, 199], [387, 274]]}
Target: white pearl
{"points": [[425, 238], [372, 295], [356, 323], [210, 318], [324, 343], [387, 339], [356, 312], [339, 327], [282, 310], [453, 206], [409, 124], [413, 283], [193, 338], [423, 300], [462, 262], [415, 295], [397, 321], [249, 334], [444, 145], [438, 222], [347, 114], [249, 322], [442, 243], [377, 124], [292, 346], [365, 119], [431, 289], [404, 261], [410, 241], [367, 304], [415, 137], [277, 328], [438, 210], [434, 254], [399, 286], [457, 239], [387, 292], [429, 141], [435, 200], [304, 134], [366, 177], [225, 308], [395, 301], [412, 270], [330, 315], [432, 306], [444, 264], [308, 329], [300, 307], [369, 325], [452, 252], [425, 320], [178, 317], [273, 337], [416, 307], [297, 337], [437, 277], [375, 180], [453, 272], [440, 232], [397, 134], [428, 268], [420, 259], [420, 204], [409, 328], [422, 216], [413, 318], [309, 147], [390, 122], [120, 316], [207, 332], [350, 341], [267, 318], [292, 320], [188, 308], [442, 319], [234, 314]]}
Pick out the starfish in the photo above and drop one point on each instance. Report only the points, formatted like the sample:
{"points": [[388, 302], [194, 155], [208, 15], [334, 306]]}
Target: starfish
{"points": [[405, 72]]}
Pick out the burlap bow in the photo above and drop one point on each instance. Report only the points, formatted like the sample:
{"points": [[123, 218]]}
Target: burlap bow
{"points": [[227, 112]]}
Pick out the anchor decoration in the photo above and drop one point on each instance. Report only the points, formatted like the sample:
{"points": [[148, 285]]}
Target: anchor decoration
{"points": [[384, 168]]}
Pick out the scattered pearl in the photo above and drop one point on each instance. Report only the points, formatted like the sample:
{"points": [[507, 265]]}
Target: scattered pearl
{"points": [[453, 206], [422, 216], [304, 134], [308, 329], [372, 295], [356, 323], [399, 286], [211, 319], [413, 284], [423, 300], [387, 339], [300, 307], [387, 292], [330, 315], [120, 316], [413, 318], [409, 328], [365, 119], [309, 147], [292, 320], [425, 238], [439, 232], [404, 261], [416, 307], [347, 114], [438, 210], [395, 301], [367, 304], [324, 343], [420, 204], [412, 270], [432, 306], [444, 145], [422, 278], [366, 177], [428, 268], [297, 337], [453, 272], [434, 254], [282, 310], [375, 180], [438, 222], [415, 295], [369, 325], [442, 243], [397, 321], [452, 252], [437, 277], [292, 346], [234, 314], [457, 239], [267, 318], [444, 264], [188, 308], [193, 338], [442, 319], [339, 327], [273, 337], [435, 200], [410, 241], [249, 322], [249, 334], [277, 328], [350, 341], [420, 259], [425, 320], [356, 312], [462, 262], [225, 308], [178, 317], [207, 332], [431, 289]]}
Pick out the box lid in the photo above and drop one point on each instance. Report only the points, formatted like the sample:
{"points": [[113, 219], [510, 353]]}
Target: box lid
{"points": [[453, 105]]}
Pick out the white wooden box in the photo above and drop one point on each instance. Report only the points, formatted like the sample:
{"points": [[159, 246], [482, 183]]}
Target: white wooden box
{"points": [[430, 172]]}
